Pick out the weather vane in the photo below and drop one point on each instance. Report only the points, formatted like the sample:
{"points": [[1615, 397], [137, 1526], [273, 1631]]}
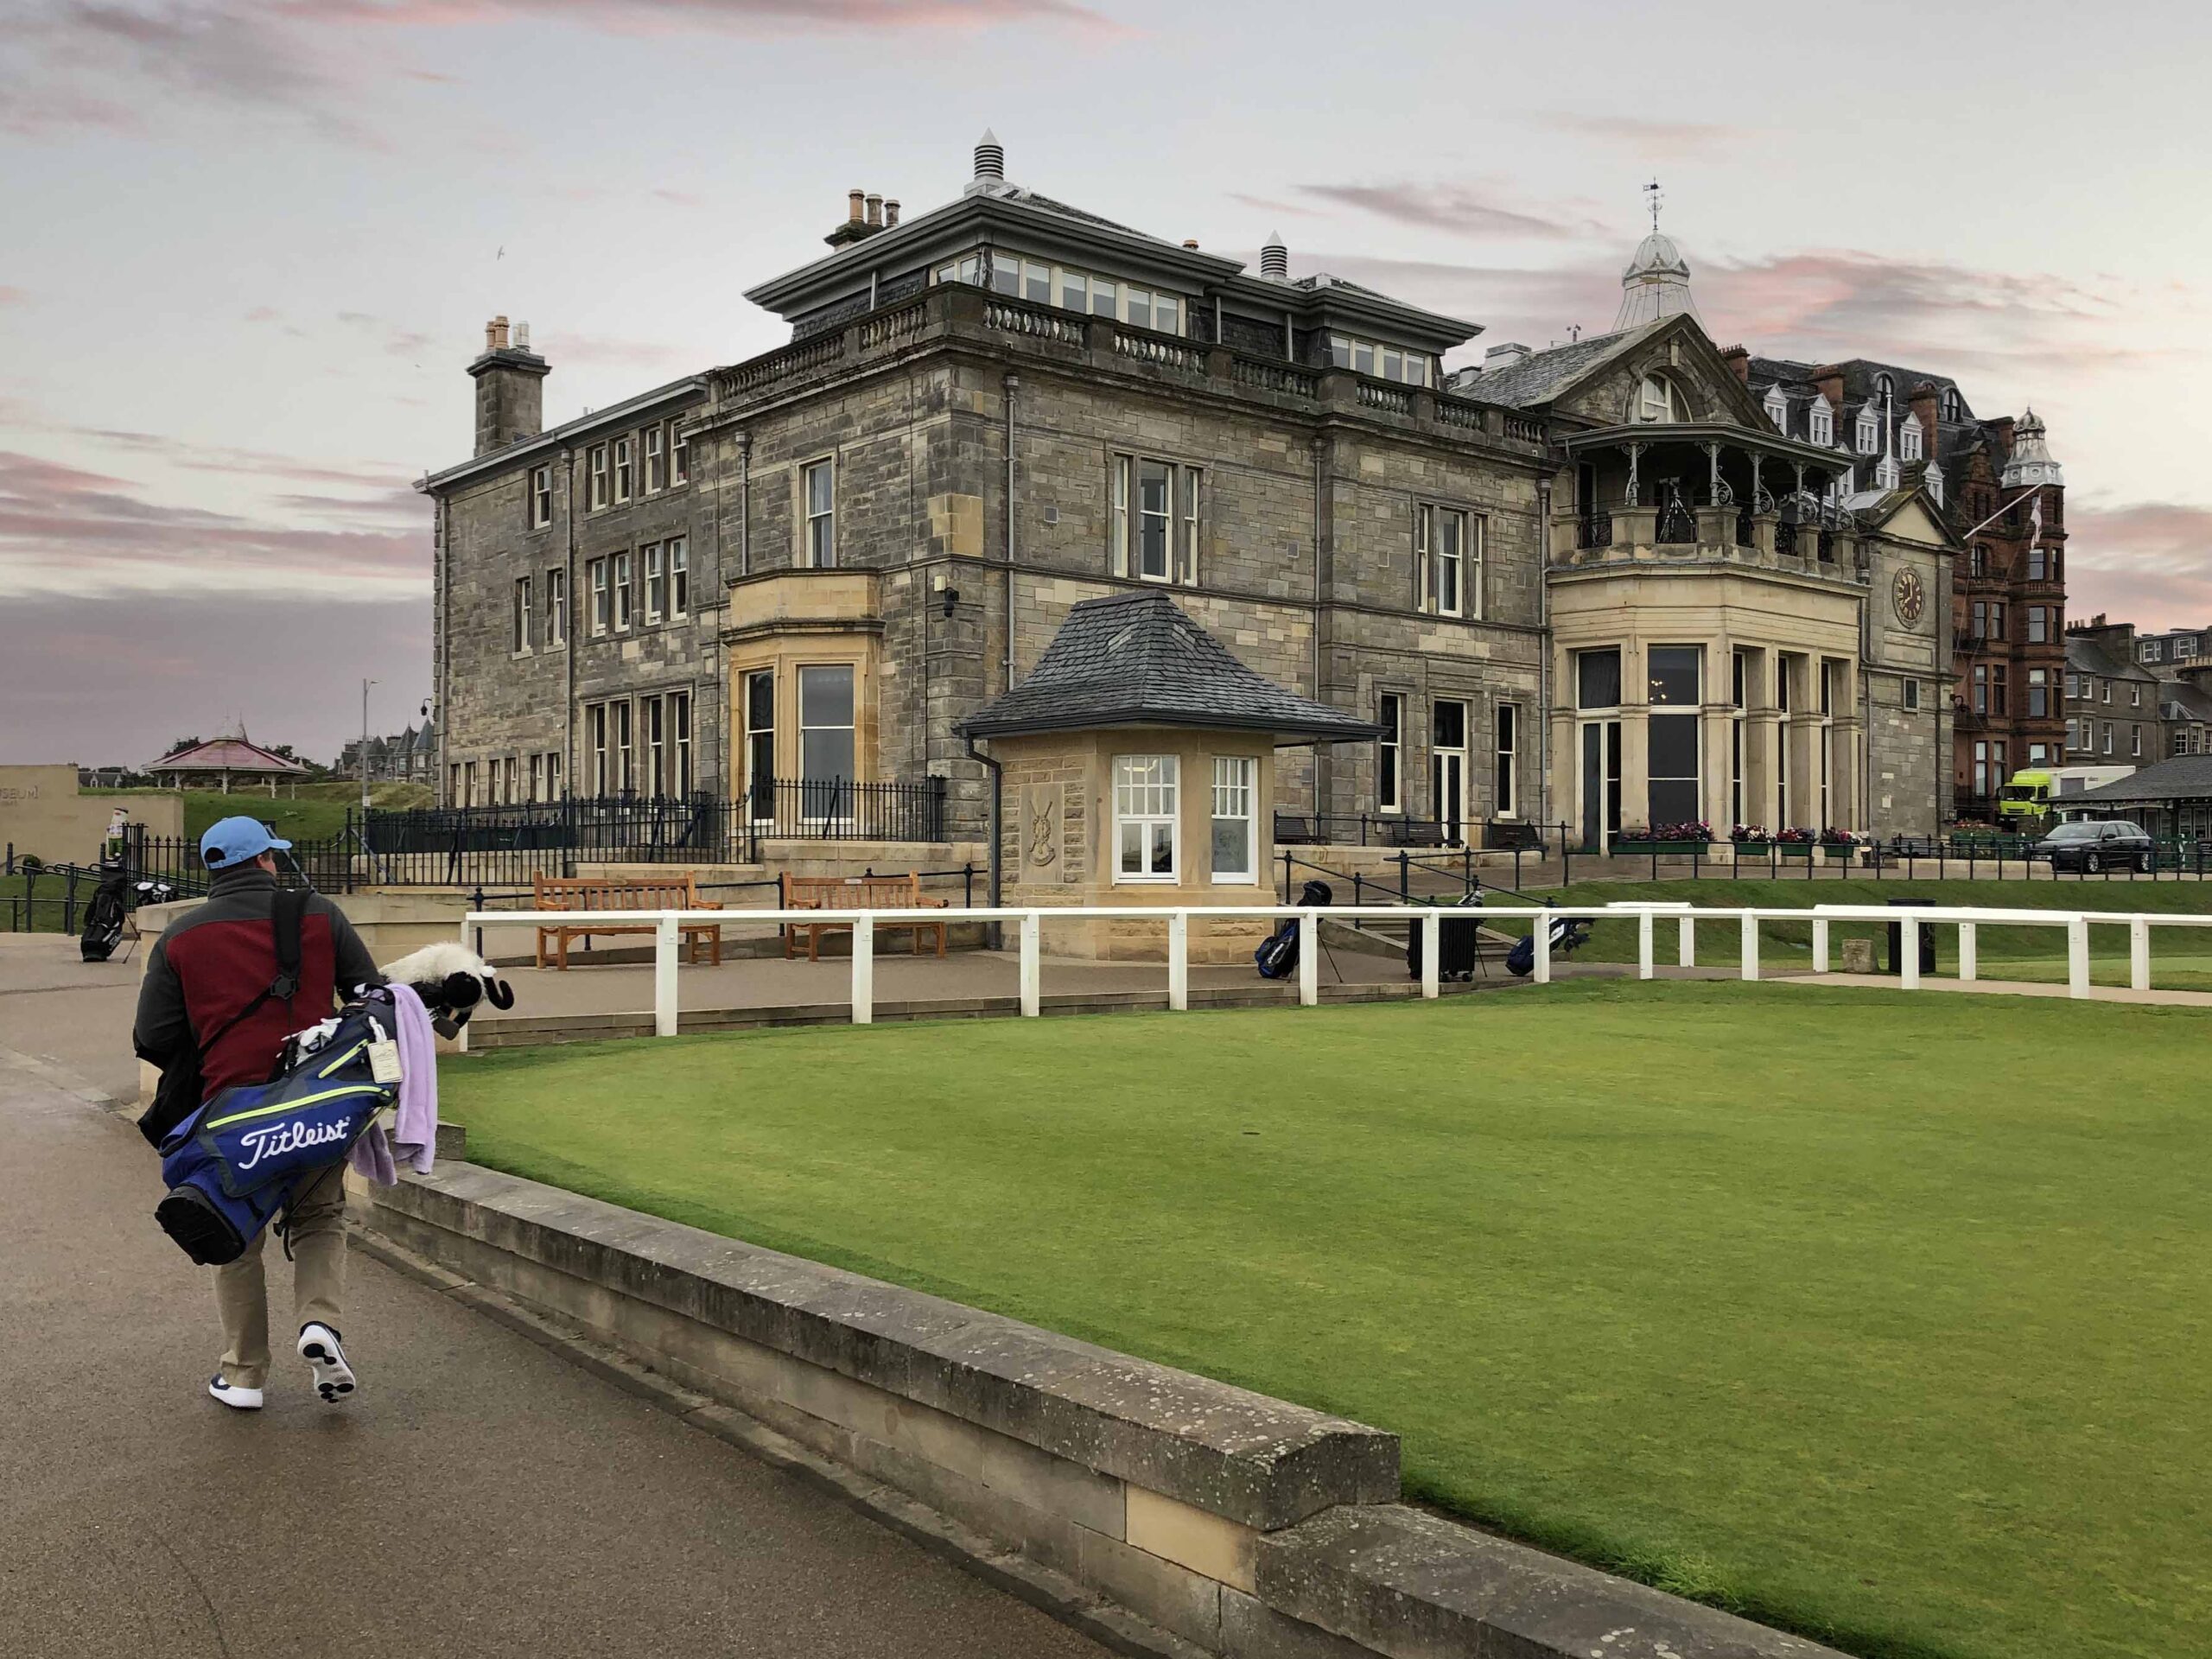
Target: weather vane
{"points": [[1651, 195]]}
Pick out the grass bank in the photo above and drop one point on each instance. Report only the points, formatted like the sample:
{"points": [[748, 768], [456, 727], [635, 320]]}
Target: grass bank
{"points": [[1826, 1305]]}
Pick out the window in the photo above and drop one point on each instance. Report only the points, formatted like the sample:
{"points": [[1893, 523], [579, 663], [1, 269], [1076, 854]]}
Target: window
{"points": [[1389, 756], [1819, 421], [1980, 689], [1390, 362], [1447, 765], [537, 777], [2135, 697], [1953, 406], [1041, 281], [1909, 440], [1673, 674], [2074, 686], [1982, 769], [1997, 688], [1996, 618], [1075, 291], [1777, 410], [760, 714], [1168, 527], [552, 774], [2153, 650], [1656, 399], [595, 735], [602, 611], [1235, 851], [655, 581], [557, 608], [2107, 737], [1886, 472], [1909, 693], [626, 469], [618, 569], [1932, 479], [469, 797], [2073, 734], [1980, 619], [2185, 648], [540, 497], [2104, 691], [818, 492], [2038, 694], [453, 785], [1870, 434], [656, 723], [681, 780], [1440, 560], [2137, 735], [1978, 561], [521, 642], [1147, 830], [597, 456], [1597, 679], [1885, 389], [2038, 617], [825, 741], [656, 458], [625, 749], [1505, 795], [679, 578], [512, 768], [680, 454], [1739, 678]]}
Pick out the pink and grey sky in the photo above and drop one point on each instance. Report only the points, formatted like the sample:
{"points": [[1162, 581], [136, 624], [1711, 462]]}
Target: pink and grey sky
{"points": [[253, 243]]}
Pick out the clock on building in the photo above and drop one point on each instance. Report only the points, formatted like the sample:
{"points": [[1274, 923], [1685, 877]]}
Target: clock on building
{"points": [[1909, 596]]}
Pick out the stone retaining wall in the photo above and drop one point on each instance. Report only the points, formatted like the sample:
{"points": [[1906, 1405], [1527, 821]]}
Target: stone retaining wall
{"points": [[1227, 1522]]}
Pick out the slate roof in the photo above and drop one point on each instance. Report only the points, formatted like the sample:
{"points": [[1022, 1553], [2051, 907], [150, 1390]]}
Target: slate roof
{"points": [[1136, 659], [2085, 655], [2184, 778], [1543, 375], [224, 755]]}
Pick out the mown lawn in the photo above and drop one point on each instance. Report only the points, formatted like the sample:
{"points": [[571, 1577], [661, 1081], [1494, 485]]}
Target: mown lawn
{"points": [[315, 813], [2181, 959], [1878, 1317]]}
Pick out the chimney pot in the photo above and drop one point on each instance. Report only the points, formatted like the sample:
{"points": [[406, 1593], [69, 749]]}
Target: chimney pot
{"points": [[1503, 357], [1191, 243], [495, 334], [522, 336], [853, 199], [890, 212], [875, 210]]}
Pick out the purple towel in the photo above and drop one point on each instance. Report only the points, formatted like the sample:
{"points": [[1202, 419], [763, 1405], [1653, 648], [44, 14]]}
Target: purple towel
{"points": [[415, 1132]]}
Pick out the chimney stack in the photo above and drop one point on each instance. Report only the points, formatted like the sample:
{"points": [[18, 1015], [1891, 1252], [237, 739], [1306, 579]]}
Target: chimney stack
{"points": [[510, 387], [1275, 258], [1827, 380], [2003, 424], [1738, 359], [863, 216], [890, 212], [1924, 401], [990, 159], [1504, 357]]}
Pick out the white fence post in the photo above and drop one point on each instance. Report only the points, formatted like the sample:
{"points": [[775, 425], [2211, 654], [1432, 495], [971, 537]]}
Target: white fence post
{"points": [[2138, 953], [2077, 956], [665, 938], [1309, 957], [1909, 937], [1540, 932], [1643, 968], [1750, 946], [1686, 942], [460, 1037], [1820, 945], [864, 970], [1432, 946], [1032, 976], [1969, 953], [1179, 961]]}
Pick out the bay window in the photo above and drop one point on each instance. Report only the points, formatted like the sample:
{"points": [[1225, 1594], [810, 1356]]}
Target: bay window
{"points": [[1674, 673], [1147, 832], [826, 730], [1236, 819]]}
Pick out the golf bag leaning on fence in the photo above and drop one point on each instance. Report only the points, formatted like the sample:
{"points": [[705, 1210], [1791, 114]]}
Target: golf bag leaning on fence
{"points": [[1277, 956], [1568, 934]]}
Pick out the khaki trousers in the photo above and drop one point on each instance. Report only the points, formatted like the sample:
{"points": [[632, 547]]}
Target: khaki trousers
{"points": [[318, 1238]]}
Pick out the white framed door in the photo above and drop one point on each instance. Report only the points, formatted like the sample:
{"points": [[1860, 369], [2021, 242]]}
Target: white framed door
{"points": [[1447, 769]]}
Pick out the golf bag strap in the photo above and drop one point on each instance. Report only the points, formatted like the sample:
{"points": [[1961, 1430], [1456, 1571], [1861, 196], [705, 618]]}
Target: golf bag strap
{"points": [[285, 915]]}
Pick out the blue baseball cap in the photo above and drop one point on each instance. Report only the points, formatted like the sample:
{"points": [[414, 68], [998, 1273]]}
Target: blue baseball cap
{"points": [[237, 840]]}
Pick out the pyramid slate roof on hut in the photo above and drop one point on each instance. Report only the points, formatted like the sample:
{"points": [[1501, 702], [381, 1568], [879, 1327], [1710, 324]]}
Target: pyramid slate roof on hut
{"points": [[1136, 659]]}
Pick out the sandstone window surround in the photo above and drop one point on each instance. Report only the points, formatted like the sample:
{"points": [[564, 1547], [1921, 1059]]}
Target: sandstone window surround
{"points": [[1236, 820], [817, 504], [1447, 561], [595, 466], [602, 615], [1909, 693], [679, 578], [626, 746], [537, 777], [655, 560], [1380, 357], [2038, 624], [625, 469], [680, 454], [656, 438], [595, 748], [1505, 786], [521, 642], [1390, 753], [557, 608], [540, 497], [1155, 519], [829, 731], [1147, 818], [2039, 693], [759, 756], [617, 581]]}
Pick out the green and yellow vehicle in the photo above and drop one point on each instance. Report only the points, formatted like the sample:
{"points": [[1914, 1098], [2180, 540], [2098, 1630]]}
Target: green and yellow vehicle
{"points": [[2037, 793]]}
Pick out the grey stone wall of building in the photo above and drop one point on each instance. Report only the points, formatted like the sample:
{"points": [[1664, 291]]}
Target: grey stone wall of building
{"points": [[1909, 748]]}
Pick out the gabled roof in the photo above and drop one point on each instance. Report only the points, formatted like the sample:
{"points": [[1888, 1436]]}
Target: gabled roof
{"points": [[1136, 659], [2086, 655], [1543, 376], [2184, 778], [224, 755]]}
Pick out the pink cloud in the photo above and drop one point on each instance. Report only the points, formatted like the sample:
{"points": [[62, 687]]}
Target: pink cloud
{"points": [[2146, 562]]}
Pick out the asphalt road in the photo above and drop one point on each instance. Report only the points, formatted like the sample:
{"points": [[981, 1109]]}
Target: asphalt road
{"points": [[479, 1496]]}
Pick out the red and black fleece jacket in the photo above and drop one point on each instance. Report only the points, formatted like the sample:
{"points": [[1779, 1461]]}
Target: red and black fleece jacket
{"points": [[215, 960]]}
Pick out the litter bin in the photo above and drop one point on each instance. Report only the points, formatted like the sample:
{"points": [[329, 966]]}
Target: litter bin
{"points": [[1925, 930]]}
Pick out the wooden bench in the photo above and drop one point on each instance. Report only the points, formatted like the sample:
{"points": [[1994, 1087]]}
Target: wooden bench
{"points": [[621, 893], [854, 893]]}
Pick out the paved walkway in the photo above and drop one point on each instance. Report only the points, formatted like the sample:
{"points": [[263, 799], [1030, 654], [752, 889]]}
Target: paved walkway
{"points": [[481, 1496]]}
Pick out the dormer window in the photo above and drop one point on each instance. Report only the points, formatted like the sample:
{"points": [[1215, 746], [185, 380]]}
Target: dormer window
{"points": [[1821, 423], [1954, 406], [1777, 410], [1389, 362], [1656, 399], [1870, 433], [1886, 472], [1886, 389], [1933, 480], [1909, 440]]}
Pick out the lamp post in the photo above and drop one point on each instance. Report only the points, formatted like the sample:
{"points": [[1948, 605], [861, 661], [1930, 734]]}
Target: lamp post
{"points": [[363, 757]]}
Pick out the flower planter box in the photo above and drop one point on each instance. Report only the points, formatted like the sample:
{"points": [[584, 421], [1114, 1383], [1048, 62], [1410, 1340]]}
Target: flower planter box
{"points": [[1643, 847], [1836, 854], [1794, 850], [1752, 849]]}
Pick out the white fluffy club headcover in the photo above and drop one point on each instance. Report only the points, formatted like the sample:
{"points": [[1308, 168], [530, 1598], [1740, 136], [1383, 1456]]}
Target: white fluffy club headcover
{"points": [[437, 962]]}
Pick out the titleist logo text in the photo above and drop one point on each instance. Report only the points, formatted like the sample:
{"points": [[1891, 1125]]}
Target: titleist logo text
{"points": [[289, 1137]]}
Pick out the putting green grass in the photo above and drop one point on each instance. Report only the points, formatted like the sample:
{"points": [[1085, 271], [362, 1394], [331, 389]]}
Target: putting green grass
{"points": [[2181, 958], [1878, 1317]]}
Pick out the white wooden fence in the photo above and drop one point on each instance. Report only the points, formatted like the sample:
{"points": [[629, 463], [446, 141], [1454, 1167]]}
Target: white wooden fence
{"points": [[1028, 923]]}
